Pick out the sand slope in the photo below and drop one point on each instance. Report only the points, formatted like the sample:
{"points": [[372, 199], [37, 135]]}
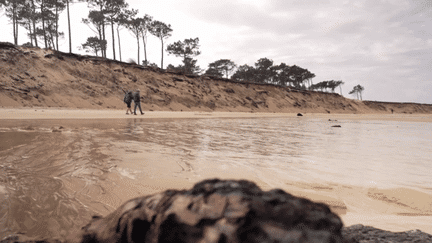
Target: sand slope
{"points": [[33, 77]]}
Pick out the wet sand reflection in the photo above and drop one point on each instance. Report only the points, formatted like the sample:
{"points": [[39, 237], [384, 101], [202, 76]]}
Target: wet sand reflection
{"points": [[56, 174]]}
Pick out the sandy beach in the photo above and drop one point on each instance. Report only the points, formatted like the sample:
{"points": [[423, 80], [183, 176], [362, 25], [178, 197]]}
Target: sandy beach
{"points": [[71, 113], [347, 201]]}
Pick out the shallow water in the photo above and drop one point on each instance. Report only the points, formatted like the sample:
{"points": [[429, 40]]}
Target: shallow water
{"points": [[56, 174]]}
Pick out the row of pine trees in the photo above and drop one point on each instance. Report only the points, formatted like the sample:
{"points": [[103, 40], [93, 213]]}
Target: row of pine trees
{"points": [[40, 18]]}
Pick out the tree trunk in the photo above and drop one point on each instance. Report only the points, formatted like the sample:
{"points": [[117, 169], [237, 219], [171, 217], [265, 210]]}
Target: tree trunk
{"points": [[113, 40], [162, 53], [49, 40], [56, 23], [14, 24], [69, 27], [138, 60], [53, 42], [99, 29], [184, 62], [103, 51], [30, 32], [104, 37], [34, 23], [43, 23], [14, 31], [145, 49], [118, 37]]}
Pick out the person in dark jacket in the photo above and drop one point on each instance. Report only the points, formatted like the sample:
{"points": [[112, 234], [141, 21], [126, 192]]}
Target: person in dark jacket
{"points": [[137, 101], [128, 100]]}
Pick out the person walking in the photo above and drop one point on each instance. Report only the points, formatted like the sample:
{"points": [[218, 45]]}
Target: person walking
{"points": [[128, 100], [137, 101]]}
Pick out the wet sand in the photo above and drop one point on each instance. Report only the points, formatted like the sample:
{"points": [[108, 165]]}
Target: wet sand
{"points": [[57, 171], [65, 113]]}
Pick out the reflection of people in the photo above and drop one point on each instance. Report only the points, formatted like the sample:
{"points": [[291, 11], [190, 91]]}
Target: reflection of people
{"points": [[137, 101], [128, 100]]}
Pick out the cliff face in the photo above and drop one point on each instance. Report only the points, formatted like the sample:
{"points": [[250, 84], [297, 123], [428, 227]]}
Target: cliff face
{"points": [[32, 77]]}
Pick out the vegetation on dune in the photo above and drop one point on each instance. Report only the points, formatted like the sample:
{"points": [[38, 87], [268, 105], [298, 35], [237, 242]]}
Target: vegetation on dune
{"points": [[186, 49], [220, 68], [357, 90], [325, 85]]}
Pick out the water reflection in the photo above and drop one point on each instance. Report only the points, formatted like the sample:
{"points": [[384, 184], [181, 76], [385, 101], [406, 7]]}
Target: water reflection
{"points": [[55, 174], [359, 150]]}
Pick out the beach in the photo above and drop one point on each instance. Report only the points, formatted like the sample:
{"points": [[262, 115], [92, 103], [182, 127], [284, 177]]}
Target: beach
{"points": [[74, 163], [73, 113], [68, 151]]}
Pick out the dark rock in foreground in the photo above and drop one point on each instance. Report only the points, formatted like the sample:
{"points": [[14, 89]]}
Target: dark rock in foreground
{"points": [[367, 234], [217, 211], [227, 211]]}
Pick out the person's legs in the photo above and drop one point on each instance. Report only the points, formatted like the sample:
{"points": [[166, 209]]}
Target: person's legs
{"points": [[135, 108], [139, 105], [128, 109]]}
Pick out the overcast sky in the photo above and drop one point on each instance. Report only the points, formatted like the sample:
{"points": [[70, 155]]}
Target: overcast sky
{"points": [[383, 45]]}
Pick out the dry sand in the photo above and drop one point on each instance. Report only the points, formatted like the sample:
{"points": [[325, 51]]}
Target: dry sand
{"points": [[70, 113]]}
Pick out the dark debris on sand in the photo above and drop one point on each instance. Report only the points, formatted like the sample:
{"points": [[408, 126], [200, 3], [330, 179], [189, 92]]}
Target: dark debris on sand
{"points": [[367, 234]]}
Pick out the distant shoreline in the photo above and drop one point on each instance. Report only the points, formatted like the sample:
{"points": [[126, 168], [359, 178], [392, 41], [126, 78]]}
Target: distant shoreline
{"points": [[70, 113]]}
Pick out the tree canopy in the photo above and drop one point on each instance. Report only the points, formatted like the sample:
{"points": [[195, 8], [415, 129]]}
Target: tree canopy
{"points": [[186, 49], [146, 24], [357, 90], [220, 68], [94, 44], [162, 31], [264, 71], [324, 85]]}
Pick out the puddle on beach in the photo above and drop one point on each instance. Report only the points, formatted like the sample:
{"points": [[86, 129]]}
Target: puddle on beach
{"points": [[56, 174]]}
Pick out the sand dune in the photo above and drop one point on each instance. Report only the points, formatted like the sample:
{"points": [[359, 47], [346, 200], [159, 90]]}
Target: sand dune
{"points": [[33, 77]]}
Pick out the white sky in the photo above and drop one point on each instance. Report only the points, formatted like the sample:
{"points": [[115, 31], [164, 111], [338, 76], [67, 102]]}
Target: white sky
{"points": [[384, 45]]}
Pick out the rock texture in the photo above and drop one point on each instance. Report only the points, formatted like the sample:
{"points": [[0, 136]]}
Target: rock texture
{"points": [[367, 234], [217, 211]]}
